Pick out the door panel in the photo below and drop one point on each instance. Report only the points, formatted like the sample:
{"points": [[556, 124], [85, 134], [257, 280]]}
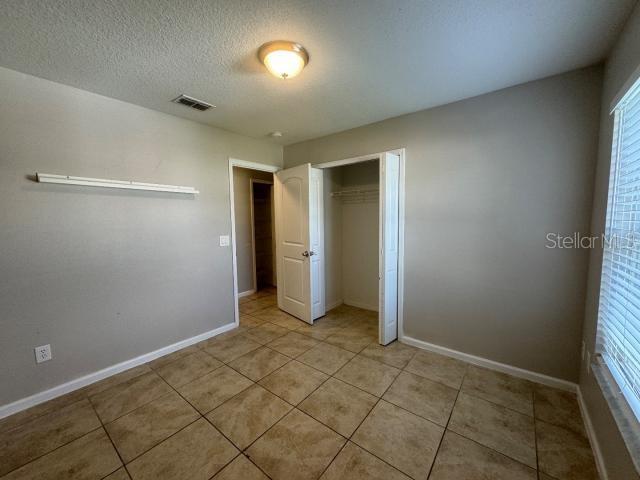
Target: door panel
{"points": [[298, 207], [293, 280], [389, 236], [293, 228]]}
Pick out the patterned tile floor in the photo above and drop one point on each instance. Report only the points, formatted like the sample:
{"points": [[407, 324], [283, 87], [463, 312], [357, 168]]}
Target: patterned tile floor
{"points": [[276, 398]]}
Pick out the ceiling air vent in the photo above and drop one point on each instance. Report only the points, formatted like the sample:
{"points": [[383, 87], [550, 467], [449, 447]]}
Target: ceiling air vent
{"points": [[191, 102]]}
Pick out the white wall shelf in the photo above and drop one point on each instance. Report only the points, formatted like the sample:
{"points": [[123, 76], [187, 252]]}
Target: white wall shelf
{"points": [[105, 183]]}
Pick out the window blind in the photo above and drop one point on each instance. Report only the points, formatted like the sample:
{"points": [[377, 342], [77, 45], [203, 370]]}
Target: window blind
{"points": [[618, 339]]}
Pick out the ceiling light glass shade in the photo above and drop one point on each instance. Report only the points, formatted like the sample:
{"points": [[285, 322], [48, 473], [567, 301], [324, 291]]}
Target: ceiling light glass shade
{"points": [[283, 59]]}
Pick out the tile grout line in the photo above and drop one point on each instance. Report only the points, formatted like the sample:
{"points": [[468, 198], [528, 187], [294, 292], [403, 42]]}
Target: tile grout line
{"points": [[136, 408], [535, 433], [349, 438], [123, 465], [168, 437], [460, 390], [201, 416], [446, 427], [293, 407], [204, 416], [480, 443], [53, 450], [307, 396], [102, 425], [36, 417], [472, 394]]}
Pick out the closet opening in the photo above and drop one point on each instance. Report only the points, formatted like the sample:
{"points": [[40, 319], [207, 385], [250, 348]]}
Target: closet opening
{"points": [[351, 235], [339, 243]]}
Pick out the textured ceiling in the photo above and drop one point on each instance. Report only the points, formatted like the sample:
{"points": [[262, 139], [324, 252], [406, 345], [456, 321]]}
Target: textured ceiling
{"points": [[370, 59]]}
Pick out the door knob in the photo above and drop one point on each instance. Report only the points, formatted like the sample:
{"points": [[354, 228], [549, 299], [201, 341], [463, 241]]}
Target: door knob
{"points": [[308, 254]]}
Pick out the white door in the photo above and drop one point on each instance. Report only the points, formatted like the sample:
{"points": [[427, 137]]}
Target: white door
{"points": [[299, 244], [389, 238]]}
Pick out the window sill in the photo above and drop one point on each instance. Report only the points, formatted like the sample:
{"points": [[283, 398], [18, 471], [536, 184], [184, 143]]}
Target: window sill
{"points": [[624, 417]]}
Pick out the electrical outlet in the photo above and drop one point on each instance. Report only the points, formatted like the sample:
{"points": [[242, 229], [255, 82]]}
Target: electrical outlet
{"points": [[224, 240], [43, 353]]}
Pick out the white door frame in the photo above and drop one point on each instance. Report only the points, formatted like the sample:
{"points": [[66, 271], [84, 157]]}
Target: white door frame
{"points": [[401, 219], [234, 162], [253, 181]]}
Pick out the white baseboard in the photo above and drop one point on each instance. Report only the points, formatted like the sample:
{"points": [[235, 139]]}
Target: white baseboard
{"points": [[357, 304], [593, 440], [493, 365], [247, 293], [41, 397]]}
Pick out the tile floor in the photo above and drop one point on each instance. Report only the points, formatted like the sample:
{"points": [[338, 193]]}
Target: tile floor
{"points": [[276, 398]]}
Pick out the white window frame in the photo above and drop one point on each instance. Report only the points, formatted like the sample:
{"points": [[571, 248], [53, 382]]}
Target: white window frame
{"points": [[617, 367]]}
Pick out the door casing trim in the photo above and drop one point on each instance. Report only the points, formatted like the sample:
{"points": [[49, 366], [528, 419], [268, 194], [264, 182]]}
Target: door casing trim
{"points": [[401, 217], [263, 167]]}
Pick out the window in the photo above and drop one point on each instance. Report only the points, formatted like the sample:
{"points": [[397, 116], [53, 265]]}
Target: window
{"points": [[619, 311]]}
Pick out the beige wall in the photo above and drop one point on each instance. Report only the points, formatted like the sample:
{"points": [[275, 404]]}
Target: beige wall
{"points": [[486, 179], [242, 208], [107, 275], [623, 61]]}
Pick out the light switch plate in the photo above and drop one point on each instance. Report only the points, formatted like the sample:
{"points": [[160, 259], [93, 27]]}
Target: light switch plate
{"points": [[224, 240], [43, 353]]}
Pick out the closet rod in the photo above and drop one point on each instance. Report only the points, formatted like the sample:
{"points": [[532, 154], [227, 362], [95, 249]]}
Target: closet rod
{"points": [[344, 193]]}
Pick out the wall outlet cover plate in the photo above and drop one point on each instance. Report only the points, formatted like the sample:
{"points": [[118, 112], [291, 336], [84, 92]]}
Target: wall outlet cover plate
{"points": [[43, 353]]}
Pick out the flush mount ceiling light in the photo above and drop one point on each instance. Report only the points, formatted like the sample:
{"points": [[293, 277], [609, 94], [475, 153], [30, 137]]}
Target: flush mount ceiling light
{"points": [[283, 59]]}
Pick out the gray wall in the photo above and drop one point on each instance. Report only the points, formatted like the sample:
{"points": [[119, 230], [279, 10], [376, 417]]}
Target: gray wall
{"points": [[624, 59], [106, 275], [486, 179], [242, 208]]}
